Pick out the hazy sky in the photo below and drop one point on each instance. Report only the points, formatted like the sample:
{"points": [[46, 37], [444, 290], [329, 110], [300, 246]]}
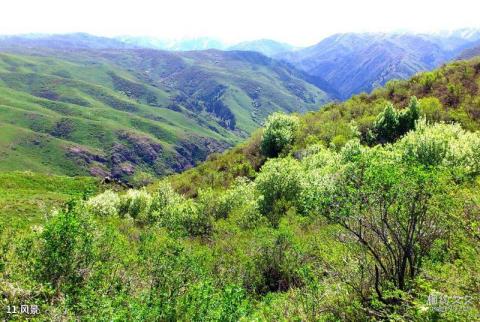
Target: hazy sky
{"points": [[299, 22]]}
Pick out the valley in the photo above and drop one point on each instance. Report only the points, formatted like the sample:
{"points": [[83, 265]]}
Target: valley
{"points": [[135, 114]]}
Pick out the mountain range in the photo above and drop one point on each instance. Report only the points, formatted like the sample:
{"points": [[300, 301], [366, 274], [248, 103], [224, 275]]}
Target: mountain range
{"points": [[136, 113], [354, 63], [78, 104], [470, 53], [350, 62], [267, 47]]}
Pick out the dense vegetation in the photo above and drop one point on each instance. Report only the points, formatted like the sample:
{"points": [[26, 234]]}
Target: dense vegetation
{"points": [[364, 210]]}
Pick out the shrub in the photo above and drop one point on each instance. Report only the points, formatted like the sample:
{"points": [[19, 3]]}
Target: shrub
{"points": [[464, 154], [351, 150], [219, 205], [164, 196], [104, 204], [136, 204], [431, 109], [170, 269], [427, 80], [192, 220], [66, 250], [444, 144], [320, 183], [375, 199], [279, 183], [408, 117], [428, 144], [278, 134], [320, 158], [338, 141], [386, 124], [179, 215], [205, 302]]}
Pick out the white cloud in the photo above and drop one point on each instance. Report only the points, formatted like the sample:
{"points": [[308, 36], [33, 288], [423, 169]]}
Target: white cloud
{"points": [[300, 22]]}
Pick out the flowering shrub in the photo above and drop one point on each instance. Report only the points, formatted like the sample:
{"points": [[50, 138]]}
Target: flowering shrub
{"points": [[464, 154], [443, 144], [318, 157], [164, 196], [221, 204], [136, 204], [105, 204]]}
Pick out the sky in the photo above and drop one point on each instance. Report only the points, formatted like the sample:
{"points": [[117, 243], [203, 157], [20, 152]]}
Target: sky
{"points": [[298, 22]]}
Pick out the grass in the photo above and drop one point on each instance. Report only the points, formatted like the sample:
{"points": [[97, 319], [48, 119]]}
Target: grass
{"points": [[87, 98], [26, 197]]}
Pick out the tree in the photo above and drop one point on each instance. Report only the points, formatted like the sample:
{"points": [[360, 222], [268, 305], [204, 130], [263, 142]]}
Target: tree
{"points": [[392, 210], [392, 124], [408, 117], [278, 134], [386, 124]]}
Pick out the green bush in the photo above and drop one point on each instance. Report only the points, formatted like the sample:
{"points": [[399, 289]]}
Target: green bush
{"points": [[431, 109], [205, 302], [386, 124], [444, 144], [391, 124], [192, 219], [279, 133], [427, 145], [136, 204], [279, 184], [66, 252], [220, 205]]}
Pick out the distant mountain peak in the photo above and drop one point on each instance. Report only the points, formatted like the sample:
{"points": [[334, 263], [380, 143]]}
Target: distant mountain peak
{"points": [[267, 47]]}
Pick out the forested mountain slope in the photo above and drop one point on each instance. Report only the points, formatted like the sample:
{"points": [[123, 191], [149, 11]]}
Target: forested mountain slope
{"points": [[134, 113]]}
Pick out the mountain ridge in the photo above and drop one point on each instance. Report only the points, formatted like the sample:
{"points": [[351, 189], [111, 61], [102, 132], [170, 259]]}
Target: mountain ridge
{"points": [[268, 47], [356, 62], [136, 113]]}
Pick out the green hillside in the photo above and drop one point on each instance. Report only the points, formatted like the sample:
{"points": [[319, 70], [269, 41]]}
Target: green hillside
{"points": [[449, 94], [26, 197], [135, 114], [365, 210]]}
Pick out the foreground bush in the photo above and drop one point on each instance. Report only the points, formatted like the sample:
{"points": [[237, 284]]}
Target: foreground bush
{"points": [[444, 144], [136, 204]]}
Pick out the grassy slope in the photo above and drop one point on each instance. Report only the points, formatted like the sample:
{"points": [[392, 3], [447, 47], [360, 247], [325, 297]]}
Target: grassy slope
{"points": [[331, 124], [25, 197], [450, 93], [55, 101]]}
